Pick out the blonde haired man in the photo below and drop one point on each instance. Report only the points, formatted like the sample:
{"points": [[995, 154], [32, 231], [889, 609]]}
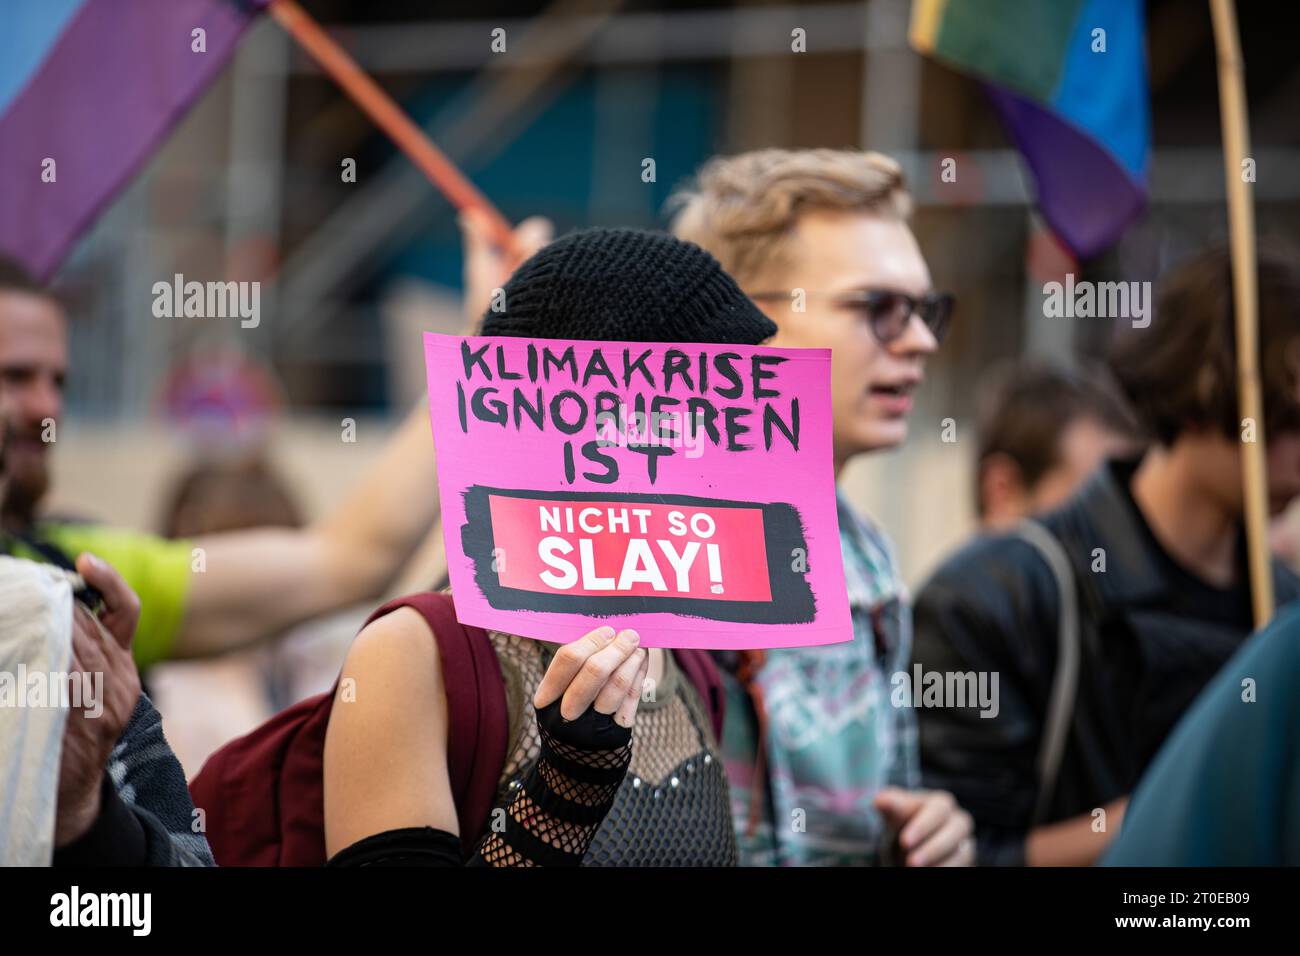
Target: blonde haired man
{"points": [[824, 768]]}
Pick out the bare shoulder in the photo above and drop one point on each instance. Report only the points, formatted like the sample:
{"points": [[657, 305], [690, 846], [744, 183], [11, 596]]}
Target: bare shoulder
{"points": [[385, 748], [392, 678], [399, 646]]}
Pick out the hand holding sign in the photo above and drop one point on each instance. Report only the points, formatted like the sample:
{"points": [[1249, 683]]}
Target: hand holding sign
{"points": [[688, 486], [599, 669]]}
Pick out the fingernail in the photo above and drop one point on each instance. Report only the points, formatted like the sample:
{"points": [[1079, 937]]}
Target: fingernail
{"points": [[605, 633], [95, 561], [630, 637]]}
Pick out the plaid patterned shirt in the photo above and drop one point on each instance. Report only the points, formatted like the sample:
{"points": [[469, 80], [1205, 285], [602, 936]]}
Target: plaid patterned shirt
{"points": [[834, 738]]}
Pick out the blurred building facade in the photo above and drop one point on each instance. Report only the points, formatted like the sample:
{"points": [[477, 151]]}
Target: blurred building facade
{"points": [[250, 187]]}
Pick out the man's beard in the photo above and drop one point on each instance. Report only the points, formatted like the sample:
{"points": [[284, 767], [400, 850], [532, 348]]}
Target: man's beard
{"points": [[22, 492]]}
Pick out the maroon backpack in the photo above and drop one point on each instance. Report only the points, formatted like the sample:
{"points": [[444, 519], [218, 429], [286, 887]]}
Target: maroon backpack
{"points": [[263, 793]]}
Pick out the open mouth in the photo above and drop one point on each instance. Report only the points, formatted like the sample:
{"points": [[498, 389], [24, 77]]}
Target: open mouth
{"points": [[894, 391]]}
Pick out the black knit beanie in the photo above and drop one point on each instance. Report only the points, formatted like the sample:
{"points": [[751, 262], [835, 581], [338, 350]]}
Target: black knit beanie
{"points": [[626, 285]]}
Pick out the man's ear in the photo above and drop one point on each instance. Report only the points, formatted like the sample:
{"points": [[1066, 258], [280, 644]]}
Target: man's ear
{"points": [[1003, 498]]}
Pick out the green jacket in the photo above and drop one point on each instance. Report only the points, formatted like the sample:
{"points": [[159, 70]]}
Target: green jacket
{"points": [[157, 569]]}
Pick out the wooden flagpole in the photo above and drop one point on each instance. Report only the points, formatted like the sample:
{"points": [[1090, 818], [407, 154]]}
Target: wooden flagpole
{"points": [[1241, 225], [388, 116]]}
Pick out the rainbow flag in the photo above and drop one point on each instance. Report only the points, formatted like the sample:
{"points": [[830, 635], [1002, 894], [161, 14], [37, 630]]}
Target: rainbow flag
{"points": [[88, 90], [1069, 79]]}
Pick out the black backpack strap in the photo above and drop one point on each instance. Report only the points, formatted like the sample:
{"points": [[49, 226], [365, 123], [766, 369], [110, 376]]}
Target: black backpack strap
{"points": [[52, 553], [56, 556]]}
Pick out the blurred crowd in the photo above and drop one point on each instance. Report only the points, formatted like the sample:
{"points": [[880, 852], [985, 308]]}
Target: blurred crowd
{"points": [[1105, 601]]}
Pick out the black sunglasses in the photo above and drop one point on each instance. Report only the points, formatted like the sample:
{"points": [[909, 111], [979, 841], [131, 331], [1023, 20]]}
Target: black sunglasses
{"points": [[888, 311]]}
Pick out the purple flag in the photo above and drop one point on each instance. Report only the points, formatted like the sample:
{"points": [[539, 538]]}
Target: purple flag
{"points": [[88, 90]]}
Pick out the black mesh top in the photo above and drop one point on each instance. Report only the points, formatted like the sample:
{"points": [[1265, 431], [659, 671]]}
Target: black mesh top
{"points": [[673, 807]]}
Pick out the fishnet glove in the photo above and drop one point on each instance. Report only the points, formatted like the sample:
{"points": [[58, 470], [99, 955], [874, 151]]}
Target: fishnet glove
{"points": [[560, 805]]}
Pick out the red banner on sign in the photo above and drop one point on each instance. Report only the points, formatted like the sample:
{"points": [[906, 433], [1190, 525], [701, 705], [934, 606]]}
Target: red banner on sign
{"points": [[618, 548]]}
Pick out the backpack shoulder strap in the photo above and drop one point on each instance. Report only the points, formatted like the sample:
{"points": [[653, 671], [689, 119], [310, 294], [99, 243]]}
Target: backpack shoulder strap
{"points": [[47, 550], [476, 709], [1065, 680], [702, 672]]}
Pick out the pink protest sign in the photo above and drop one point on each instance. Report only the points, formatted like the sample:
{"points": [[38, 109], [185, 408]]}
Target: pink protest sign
{"points": [[684, 490]]}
